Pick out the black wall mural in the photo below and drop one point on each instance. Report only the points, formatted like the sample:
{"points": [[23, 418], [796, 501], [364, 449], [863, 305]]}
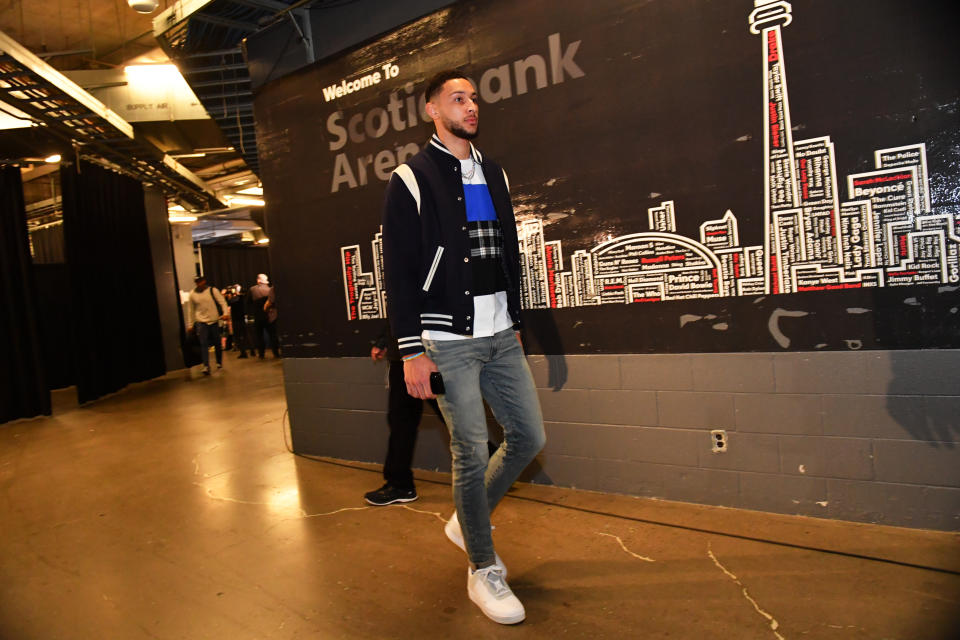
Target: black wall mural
{"points": [[688, 175]]}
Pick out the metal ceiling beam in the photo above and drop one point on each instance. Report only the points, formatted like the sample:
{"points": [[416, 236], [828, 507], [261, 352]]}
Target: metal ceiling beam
{"points": [[37, 68], [179, 12], [225, 22], [230, 101], [217, 83], [57, 54], [235, 51], [269, 5], [220, 96], [100, 135], [191, 71]]}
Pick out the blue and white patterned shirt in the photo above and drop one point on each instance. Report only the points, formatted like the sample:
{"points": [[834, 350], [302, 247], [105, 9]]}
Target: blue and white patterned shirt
{"points": [[490, 313]]}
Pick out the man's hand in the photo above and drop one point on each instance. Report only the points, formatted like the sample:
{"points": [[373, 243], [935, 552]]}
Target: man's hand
{"points": [[377, 353], [416, 373]]}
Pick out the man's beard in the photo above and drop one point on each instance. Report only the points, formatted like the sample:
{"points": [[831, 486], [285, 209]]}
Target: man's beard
{"points": [[460, 132]]}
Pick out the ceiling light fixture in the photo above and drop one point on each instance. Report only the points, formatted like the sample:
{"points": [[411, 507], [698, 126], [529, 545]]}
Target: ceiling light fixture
{"points": [[182, 218], [152, 73], [252, 191], [53, 159], [263, 241], [143, 6]]}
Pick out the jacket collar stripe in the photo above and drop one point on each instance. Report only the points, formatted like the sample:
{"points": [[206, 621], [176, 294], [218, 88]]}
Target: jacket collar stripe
{"points": [[435, 141]]}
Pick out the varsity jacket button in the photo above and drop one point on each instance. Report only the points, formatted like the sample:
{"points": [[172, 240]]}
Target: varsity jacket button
{"points": [[468, 317], [466, 293], [463, 228], [466, 259], [459, 198]]}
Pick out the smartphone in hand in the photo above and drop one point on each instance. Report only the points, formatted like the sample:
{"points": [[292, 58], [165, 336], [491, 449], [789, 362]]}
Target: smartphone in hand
{"points": [[436, 383]]}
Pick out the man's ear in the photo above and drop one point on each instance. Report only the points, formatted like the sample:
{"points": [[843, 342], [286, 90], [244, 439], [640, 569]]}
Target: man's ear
{"points": [[432, 111]]}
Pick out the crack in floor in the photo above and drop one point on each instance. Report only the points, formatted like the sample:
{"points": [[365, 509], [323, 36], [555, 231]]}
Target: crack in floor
{"points": [[624, 547], [330, 513], [303, 513], [774, 625], [431, 513], [211, 495]]}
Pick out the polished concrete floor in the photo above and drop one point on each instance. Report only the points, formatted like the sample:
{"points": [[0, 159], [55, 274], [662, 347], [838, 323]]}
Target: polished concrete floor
{"points": [[174, 510]]}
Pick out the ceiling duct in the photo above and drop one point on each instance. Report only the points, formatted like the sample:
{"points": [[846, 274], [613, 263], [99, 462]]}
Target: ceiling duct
{"points": [[218, 43], [204, 38]]}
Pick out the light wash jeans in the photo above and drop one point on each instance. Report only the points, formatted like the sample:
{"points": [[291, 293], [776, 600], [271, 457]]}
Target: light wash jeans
{"points": [[492, 369]]}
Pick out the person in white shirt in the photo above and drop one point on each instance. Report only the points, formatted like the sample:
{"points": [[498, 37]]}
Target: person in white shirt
{"points": [[206, 306]]}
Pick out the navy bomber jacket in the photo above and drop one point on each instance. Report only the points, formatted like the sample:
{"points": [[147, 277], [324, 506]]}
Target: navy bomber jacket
{"points": [[426, 246]]}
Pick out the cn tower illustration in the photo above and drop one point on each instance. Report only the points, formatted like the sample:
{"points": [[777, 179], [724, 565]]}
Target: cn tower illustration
{"points": [[779, 170], [883, 234]]}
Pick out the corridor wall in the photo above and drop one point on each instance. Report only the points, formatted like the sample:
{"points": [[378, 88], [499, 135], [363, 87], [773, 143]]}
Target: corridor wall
{"points": [[704, 248]]}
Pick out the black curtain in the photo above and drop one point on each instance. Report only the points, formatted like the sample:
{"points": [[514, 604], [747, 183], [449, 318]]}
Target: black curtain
{"points": [[117, 337], [23, 386], [48, 245], [224, 266], [56, 318]]}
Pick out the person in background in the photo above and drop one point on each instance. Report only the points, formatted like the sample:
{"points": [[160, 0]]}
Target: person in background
{"points": [[263, 305], [238, 321], [206, 307], [272, 314], [403, 418], [228, 295]]}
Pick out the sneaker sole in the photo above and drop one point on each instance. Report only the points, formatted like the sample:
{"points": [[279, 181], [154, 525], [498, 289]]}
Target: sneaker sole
{"points": [[451, 536], [520, 617], [383, 504]]}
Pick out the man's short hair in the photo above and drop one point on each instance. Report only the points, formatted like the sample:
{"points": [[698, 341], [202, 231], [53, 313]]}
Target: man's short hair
{"points": [[198, 279], [436, 82]]}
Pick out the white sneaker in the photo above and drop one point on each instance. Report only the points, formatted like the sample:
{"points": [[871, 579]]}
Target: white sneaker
{"points": [[455, 534], [488, 590]]}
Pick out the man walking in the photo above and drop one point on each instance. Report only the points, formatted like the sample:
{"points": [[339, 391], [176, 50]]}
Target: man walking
{"points": [[206, 307], [264, 315], [452, 270]]}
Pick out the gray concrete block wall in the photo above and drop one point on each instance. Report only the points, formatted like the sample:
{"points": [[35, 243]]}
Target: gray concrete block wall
{"points": [[862, 436]]}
